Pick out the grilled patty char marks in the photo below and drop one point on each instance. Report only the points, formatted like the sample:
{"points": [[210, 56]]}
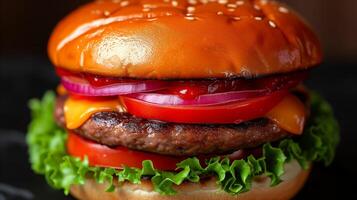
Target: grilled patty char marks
{"points": [[114, 129]]}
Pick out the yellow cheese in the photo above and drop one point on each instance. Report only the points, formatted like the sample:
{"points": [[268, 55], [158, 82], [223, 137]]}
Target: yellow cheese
{"points": [[289, 114], [61, 90], [77, 111]]}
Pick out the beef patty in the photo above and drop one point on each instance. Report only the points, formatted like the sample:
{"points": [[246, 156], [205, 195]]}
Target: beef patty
{"points": [[114, 129]]}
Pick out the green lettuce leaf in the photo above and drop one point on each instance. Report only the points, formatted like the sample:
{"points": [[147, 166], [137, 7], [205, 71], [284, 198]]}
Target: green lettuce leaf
{"points": [[48, 156]]}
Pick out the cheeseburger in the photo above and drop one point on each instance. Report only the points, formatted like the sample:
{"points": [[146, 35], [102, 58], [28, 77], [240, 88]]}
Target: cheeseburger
{"points": [[182, 99]]}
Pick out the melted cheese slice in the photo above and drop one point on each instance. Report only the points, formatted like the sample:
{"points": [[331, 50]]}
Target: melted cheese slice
{"points": [[77, 111], [61, 90], [290, 114]]}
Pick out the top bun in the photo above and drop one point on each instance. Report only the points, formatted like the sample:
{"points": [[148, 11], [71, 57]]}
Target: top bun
{"points": [[182, 39]]}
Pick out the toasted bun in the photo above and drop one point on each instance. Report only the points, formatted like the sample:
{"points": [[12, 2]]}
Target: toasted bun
{"points": [[293, 179], [168, 39]]}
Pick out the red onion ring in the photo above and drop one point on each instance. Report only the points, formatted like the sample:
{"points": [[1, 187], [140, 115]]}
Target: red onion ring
{"points": [[202, 100], [271, 85], [82, 87]]}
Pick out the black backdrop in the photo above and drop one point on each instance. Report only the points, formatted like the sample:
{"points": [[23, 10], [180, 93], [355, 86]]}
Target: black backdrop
{"points": [[25, 72]]}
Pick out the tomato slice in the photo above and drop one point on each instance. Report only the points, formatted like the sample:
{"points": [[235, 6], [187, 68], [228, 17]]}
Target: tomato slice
{"points": [[103, 156], [118, 157], [236, 112]]}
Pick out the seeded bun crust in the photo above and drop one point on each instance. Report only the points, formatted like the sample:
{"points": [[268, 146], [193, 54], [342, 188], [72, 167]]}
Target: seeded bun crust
{"points": [[293, 180], [182, 39]]}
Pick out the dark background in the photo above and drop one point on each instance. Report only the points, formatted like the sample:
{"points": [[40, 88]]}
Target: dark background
{"points": [[25, 72]]}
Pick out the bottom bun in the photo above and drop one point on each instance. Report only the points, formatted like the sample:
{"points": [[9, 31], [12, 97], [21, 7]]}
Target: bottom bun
{"points": [[293, 180]]}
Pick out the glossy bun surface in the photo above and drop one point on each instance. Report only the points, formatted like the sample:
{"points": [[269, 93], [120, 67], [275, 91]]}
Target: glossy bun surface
{"points": [[183, 39]]}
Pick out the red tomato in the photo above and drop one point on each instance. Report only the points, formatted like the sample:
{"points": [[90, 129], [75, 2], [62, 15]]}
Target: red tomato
{"points": [[118, 157], [236, 112], [103, 156]]}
